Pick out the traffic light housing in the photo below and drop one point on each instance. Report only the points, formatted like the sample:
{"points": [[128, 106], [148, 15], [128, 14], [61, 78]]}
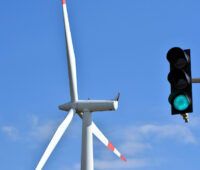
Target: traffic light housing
{"points": [[180, 80]]}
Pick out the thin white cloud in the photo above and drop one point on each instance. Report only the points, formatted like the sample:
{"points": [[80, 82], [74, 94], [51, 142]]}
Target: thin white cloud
{"points": [[43, 131], [132, 141], [118, 164], [139, 139], [34, 120], [11, 132], [135, 141], [176, 132], [115, 165], [195, 122], [130, 148], [33, 132], [75, 167]]}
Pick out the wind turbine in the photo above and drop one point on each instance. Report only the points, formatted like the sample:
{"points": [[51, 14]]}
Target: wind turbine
{"points": [[83, 108]]}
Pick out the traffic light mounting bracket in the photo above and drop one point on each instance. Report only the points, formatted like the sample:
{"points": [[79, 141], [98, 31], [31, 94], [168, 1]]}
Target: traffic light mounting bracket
{"points": [[185, 115]]}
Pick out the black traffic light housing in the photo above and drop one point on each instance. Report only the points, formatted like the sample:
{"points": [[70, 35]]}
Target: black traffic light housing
{"points": [[180, 80]]}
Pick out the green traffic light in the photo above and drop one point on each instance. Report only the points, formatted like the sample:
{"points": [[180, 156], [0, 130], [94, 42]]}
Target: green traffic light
{"points": [[181, 102]]}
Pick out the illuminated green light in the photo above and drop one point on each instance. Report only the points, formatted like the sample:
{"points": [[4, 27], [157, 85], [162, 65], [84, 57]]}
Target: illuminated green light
{"points": [[181, 102]]}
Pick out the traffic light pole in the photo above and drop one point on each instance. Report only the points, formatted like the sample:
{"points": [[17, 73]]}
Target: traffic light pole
{"points": [[185, 115]]}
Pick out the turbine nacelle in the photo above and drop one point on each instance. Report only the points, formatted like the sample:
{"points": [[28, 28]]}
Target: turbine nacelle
{"points": [[90, 105]]}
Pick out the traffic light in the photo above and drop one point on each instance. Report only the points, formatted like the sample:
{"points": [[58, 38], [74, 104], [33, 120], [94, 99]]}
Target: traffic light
{"points": [[180, 80]]}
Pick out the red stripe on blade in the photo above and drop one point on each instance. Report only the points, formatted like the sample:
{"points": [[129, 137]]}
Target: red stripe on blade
{"points": [[110, 146], [63, 2], [122, 158]]}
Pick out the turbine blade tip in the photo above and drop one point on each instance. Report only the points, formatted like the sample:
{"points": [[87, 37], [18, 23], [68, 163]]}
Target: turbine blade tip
{"points": [[123, 158], [63, 2]]}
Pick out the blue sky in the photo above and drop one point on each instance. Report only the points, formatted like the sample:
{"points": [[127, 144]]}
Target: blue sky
{"points": [[120, 46]]}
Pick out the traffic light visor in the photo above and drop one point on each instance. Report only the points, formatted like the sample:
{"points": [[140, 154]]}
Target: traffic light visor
{"points": [[177, 57]]}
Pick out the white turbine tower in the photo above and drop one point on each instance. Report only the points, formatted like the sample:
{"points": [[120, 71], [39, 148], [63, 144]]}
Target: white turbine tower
{"points": [[83, 108]]}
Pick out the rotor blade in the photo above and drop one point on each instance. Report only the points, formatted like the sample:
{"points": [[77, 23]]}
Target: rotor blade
{"points": [[105, 141], [70, 56], [59, 132]]}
